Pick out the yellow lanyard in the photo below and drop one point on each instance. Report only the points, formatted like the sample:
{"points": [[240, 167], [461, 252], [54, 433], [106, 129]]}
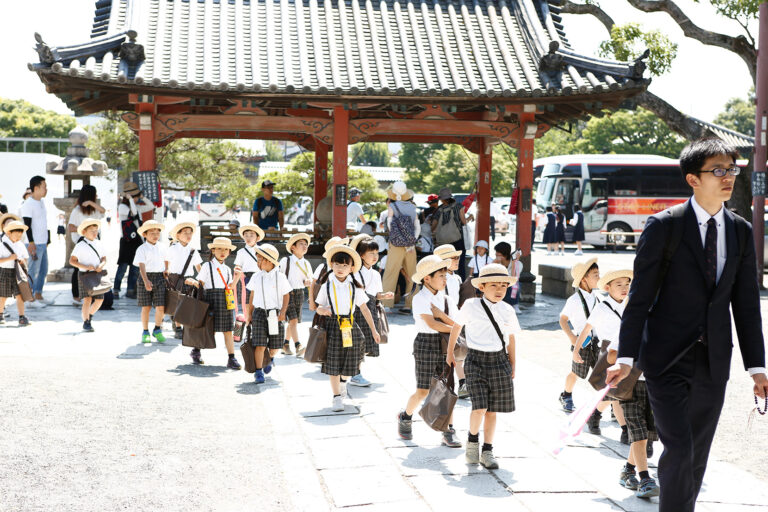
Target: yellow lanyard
{"points": [[351, 306], [303, 270]]}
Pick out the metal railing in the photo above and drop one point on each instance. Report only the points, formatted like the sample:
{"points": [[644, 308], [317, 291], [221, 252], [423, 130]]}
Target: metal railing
{"points": [[37, 145]]}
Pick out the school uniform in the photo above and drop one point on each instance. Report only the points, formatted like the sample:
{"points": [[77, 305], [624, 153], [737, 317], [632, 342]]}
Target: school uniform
{"points": [[211, 274], [296, 270], [245, 258], [177, 256], [477, 262], [453, 286], [487, 368], [371, 281], [342, 298], [153, 258], [88, 253], [8, 286], [427, 347], [578, 229], [269, 289], [549, 229], [577, 308], [560, 228]]}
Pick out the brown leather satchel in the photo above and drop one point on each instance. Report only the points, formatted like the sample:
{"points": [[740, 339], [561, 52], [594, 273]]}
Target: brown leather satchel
{"points": [[24, 282], [200, 337], [626, 388], [317, 344], [247, 351], [95, 282], [382, 326], [191, 310], [438, 406]]}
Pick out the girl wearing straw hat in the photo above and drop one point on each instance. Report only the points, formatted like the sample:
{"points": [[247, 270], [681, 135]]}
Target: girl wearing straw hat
{"points": [[429, 306], [299, 273], [12, 249], [87, 256], [181, 261], [342, 299], [216, 278], [491, 326], [322, 269], [150, 259], [246, 261]]}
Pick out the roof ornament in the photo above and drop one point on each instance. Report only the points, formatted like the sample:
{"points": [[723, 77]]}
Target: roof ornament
{"points": [[131, 51], [552, 65], [639, 66], [44, 51]]}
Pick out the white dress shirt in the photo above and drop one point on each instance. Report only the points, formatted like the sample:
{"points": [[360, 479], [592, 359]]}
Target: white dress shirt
{"points": [[301, 269], [607, 324], [480, 332], [214, 282], [421, 306], [268, 289], [453, 286], [85, 252], [151, 255], [18, 248], [246, 259], [574, 310], [371, 280], [343, 296], [177, 255]]}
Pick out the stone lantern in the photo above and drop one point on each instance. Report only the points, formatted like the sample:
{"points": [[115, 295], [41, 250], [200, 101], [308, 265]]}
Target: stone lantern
{"points": [[75, 166]]}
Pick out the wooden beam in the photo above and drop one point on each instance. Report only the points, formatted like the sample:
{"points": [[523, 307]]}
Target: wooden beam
{"points": [[340, 155]]}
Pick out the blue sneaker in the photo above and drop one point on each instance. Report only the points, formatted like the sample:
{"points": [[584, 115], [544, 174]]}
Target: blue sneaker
{"points": [[268, 368], [647, 488], [360, 381], [258, 376], [567, 403]]}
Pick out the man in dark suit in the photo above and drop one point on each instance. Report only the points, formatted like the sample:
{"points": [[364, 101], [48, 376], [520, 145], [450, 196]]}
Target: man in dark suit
{"points": [[677, 324]]}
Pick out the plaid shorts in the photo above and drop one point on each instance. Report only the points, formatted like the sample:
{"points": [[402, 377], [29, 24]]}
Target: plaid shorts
{"points": [[81, 288], [340, 360], [223, 318], [429, 357], [639, 416], [371, 347], [589, 355], [156, 297], [489, 381], [8, 286], [260, 336], [295, 303]]}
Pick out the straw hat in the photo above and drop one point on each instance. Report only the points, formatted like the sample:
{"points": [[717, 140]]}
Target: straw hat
{"points": [[268, 252], [428, 265], [4, 217], [131, 189], [174, 233], [356, 261], [84, 225], [614, 274], [221, 242], [150, 224], [356, 241], [295, 238], [14, 225], [580, 269], [399, 192], [335, 241], [447, 251], [252, 227], [494, 273]]}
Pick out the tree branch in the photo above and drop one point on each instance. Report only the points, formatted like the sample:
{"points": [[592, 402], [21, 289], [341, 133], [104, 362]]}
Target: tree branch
{"points": [[568, 7]]}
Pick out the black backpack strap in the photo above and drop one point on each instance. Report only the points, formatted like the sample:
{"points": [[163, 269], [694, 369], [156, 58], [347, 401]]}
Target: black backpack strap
{"points": [[495, 325], [671, 243], [210, 270]]}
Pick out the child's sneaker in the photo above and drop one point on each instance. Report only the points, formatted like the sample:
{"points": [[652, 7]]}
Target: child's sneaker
{"points": [[300, 349], [178, 333], [145, 337], [628, 479], [23, 321], [488, 460], [567, 403], [338, 404], [232, 364], [404, 426], [360, 381], [473, 453], [87, 326], [158, 334], [594, 423], [287, 349], [648, 488], [258, 377], [649, 449], [463, 391], [449, 439], [195, 355], [268, 368]]}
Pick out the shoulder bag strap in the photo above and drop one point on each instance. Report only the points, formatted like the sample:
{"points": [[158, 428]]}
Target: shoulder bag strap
{"points": [[495, 325], [213, 279], [8, 247], [92, 248], [614, 311], [583, 303], [186, 263], [250, 254], [396, 209], [288, 266]]}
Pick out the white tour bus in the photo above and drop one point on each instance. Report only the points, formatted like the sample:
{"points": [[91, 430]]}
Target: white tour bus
{"points": [[617, 193]]}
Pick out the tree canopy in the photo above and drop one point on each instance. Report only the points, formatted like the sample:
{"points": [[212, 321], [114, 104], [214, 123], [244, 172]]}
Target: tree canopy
{"points": [[371, 154], [739, 115], [19, 118]]}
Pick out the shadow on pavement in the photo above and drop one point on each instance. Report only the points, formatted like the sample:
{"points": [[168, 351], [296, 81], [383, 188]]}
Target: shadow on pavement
{"points": [[202, 370], [251, 388]]}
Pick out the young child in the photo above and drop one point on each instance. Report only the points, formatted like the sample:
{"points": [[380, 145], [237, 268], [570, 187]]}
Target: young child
{"points": [[491, 326], [270, 296], [368, 250], [246, 263], [549, 236], [215, 277], [480, 259], [511, 261], [299, 273], [181, 261], [12, 249], [560, 230], [322, 269], [578, 229], [606, 321], [429, 307], [88, 256], [340, 292], [150, 259]]}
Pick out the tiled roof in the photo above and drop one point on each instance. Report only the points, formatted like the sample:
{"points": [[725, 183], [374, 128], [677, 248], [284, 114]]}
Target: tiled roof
{"points": [[732, 137], [426, 48]]}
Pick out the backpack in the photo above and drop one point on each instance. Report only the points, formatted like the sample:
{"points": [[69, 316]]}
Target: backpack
{"points": [[402, 233], [448, 228]]}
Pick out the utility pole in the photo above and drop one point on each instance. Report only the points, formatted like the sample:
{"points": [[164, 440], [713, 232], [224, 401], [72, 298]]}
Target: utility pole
{"points": [[761, 150]]}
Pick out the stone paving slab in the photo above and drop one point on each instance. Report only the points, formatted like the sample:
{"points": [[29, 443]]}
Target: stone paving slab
{"points": [[479, 491], [367, 485]]}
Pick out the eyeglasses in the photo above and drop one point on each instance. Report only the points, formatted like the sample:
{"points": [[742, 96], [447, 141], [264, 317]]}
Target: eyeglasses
{"points": [[731, 171]]}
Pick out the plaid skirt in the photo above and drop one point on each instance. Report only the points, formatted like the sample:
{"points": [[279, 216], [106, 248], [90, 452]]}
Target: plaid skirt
{"points": [[295, 303], [489, 380], [590, 355], [639, 415], [156, 297], [429, 357], [340, 360], [8, 286], [260, 336], [371, 347], [223, 318]]}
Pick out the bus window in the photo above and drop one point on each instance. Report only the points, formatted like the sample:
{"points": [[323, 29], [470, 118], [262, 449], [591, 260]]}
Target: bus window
{"points": [[664, 181], [625, 181], [594, 204]]}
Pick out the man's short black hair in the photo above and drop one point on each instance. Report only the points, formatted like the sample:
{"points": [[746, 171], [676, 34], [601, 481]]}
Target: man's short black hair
{"points": [[503, 248], [576, 208], [549, 208], [694, 155], [35, 181]]}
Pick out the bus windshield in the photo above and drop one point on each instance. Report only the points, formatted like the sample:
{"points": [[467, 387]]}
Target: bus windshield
{"points": [[210, 197]]}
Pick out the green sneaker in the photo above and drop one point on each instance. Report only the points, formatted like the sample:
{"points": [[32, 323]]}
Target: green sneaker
{"points": [[146, 338], [158, 334]]}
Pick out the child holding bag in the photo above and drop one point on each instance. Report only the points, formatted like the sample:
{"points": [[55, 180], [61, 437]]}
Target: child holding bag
{"points": [[150, 259], [12, 249], [299, 273], [246, 263], [87, 257], [181, 261]]}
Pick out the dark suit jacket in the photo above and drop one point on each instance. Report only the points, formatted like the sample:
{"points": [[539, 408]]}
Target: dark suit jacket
{"points": [[686, 309]]}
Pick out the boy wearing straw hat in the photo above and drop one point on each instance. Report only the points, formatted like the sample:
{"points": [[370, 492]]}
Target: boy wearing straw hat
{"points": [[181, 261], [491, 326], [268, 304], [429, 306], [11, 250], [150, 259], [321, 269], [88, 256], [299, 273]]}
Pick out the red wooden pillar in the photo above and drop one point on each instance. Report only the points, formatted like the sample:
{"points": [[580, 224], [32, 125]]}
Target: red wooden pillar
{"points": [[525, 184], [340, 155], [483, 218], [147, 156], [321, 174]]}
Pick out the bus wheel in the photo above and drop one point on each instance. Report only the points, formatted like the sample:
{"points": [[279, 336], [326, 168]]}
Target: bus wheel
{"points": [[620, 234]]}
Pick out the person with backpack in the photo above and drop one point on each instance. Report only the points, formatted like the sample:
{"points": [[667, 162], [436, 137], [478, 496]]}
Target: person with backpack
{"points": [[268, 210], [448, 226], [404, 230]]}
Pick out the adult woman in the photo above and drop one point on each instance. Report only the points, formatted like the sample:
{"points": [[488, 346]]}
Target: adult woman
{"points": [[578, 229], [86, 207], [447, 226], [130, 240]]}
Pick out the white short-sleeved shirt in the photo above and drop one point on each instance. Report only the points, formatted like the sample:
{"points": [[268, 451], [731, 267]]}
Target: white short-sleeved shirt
{"points": [[452, 286], [301, 269], [214, 282], [574, 310], [152, 256], [480, 333], [177, 255], [371, 279], [35, 210], [85, 252], [607, 324], [319, 270], [246, 259], [18, 248], [421, 306], [269, 286], [77, 217], [477, 262], [343, 295], [354, 210]]}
